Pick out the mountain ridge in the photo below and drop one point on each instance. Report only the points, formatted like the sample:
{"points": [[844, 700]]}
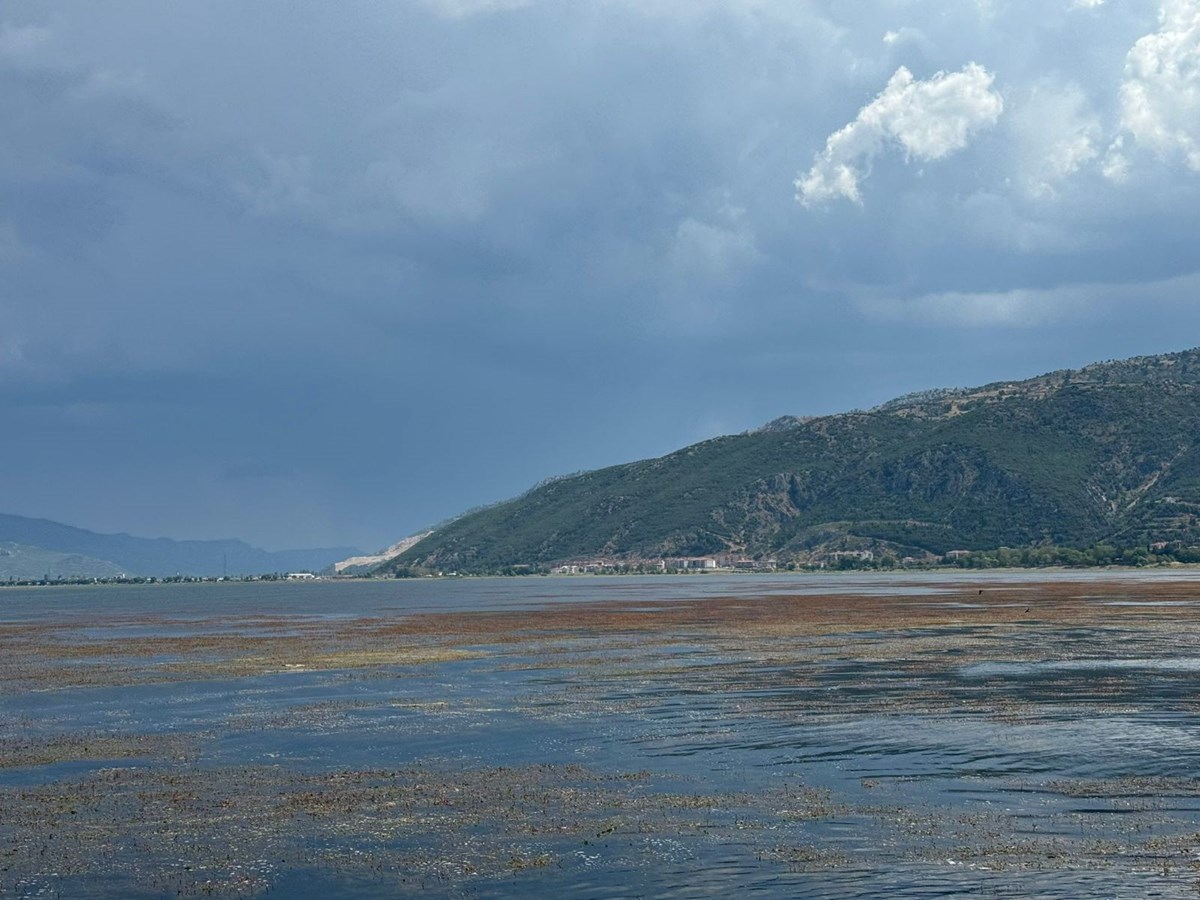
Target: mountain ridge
{"points": [[1106, 452]]}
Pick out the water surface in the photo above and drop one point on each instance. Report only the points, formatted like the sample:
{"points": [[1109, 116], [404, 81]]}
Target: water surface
{"points": [[911, 735]]}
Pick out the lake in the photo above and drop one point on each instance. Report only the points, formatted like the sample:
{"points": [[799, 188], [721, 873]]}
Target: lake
{"points": [[901, 735]]}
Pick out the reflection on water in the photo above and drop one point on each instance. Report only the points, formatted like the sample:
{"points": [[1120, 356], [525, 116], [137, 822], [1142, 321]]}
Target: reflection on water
{"points": [[909, 736]]}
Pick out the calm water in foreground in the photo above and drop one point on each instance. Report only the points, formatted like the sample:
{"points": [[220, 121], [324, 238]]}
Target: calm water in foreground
{"points": [[900, 736]]}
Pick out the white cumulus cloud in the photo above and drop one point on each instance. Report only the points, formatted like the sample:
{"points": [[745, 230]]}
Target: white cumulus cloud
{"points": [[1160, 96], [1056, 134], [928, 119]]}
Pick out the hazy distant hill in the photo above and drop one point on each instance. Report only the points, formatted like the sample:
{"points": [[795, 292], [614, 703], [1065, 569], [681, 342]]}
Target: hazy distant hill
{"points": [[23, 563], [1105, 453], [162, 556]]}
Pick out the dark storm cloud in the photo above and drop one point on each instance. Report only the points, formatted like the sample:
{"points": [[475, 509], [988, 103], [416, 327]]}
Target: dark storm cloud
{"points": [[327, 273]]}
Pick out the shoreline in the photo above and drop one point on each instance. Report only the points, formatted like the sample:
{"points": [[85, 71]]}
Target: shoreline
{"points": [[762, 574]]}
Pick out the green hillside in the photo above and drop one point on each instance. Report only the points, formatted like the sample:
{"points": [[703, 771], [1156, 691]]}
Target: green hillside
{"points": [[1108, 453]]}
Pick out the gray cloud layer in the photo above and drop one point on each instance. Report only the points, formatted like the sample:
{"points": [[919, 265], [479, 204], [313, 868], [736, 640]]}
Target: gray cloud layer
{"points": [[316, 273]]}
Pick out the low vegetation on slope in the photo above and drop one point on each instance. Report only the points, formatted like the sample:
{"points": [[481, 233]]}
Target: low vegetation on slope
{"points": [[1108, 453]]}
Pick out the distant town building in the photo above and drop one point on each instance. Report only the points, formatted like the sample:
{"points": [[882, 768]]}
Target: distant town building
{"points": [[865, 555], [692, 562]]}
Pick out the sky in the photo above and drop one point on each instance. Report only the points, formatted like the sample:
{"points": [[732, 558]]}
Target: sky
{"points": [[316, 274]]}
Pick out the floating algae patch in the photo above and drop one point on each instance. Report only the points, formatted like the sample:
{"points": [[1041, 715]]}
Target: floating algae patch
{"points": [[365, 658], [33, 751], [42, 658], [229, 831], [1132, 786], [297, 660]]}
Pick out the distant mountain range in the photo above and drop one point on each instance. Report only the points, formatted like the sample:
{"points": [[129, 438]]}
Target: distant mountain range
{"points": [[1107, 453], [33, 548]]}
